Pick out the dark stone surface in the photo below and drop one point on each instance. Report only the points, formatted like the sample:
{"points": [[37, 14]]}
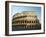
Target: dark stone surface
{"points": [[17, 28]]}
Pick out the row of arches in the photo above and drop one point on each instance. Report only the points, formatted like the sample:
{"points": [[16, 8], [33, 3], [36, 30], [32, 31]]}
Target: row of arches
{"points": [[24, 17], [25, 21]]}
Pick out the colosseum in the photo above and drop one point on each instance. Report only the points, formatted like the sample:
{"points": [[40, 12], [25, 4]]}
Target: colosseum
{"points": [[26, 20]]}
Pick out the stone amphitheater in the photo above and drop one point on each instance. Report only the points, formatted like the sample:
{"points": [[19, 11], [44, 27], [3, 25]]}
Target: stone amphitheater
{"points": [[26, 20]]}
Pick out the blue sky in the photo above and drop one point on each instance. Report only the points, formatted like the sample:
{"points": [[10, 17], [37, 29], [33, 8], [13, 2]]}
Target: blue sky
{"points": [[15, 9]]}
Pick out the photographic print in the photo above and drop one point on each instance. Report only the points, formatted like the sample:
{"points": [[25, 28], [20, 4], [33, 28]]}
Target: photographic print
{"points": [[24, 18]]}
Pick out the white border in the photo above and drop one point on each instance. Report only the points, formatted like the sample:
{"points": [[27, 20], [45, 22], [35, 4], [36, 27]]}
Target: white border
{"points": [[27, 31]]}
